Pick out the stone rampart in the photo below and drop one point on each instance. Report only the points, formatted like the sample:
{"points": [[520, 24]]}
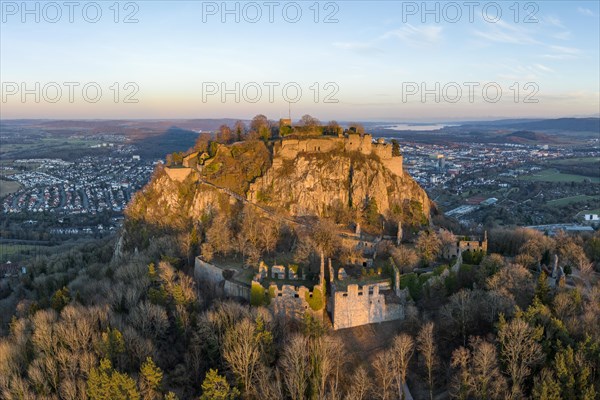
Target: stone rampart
{"points": [[289, 148], [361, 305], [394, 164], [455, 249], [178, 174], [289, 301], [215, 276]]}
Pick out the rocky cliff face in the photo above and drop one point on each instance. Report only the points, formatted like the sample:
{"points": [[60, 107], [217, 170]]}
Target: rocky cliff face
{"points": [[310, 184], [313, 184]]}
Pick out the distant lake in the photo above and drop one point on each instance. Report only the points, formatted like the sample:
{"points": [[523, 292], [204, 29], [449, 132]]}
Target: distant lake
{"points": [[415, 127]]}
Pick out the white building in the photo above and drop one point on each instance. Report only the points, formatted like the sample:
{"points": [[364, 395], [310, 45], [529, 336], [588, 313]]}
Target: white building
{"points": [[591, 217]]}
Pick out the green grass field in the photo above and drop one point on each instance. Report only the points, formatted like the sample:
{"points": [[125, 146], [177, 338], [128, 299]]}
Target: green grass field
{"points": [[577, 161], [45, 148], [552, 175], [16, 252], [8, 187], [572, 199]]}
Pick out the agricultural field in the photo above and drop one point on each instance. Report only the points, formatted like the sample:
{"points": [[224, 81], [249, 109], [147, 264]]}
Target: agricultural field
{"points": [[572, 199], [47, 147], [18, 252], [577, 161], [553, 175], [8, 187]]}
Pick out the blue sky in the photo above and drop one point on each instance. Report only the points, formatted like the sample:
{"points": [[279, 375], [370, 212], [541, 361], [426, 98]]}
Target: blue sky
{"points": [[371, 57]]}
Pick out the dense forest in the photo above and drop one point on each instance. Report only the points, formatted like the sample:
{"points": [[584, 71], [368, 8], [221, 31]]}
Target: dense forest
{"points": [[86, 325]]}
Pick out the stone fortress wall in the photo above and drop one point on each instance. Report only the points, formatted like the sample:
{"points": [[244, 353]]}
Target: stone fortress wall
{"points": [[465, 244], [355, 306], [289, 148], [290, 301], [361, 305], [207, 272], [365, 304], [178, 174]]}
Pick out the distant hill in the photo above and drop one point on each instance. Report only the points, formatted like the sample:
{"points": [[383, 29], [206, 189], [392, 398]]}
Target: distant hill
{"points": [[559, 124], [563, 124], [172, 140], [528, 137]]}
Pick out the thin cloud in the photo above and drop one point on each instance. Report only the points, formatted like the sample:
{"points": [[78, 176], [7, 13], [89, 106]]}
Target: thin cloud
{"points": [[501, 32], [585, 11], [562, 53], [543, 68], [525, 72], [554, 21], [566, 50], [409, 34], [562, 35], [358, 47], [413, 35]]}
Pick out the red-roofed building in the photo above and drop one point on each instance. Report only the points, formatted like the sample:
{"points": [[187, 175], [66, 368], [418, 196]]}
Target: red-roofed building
{"points": [[474, 201], [10, 270]]}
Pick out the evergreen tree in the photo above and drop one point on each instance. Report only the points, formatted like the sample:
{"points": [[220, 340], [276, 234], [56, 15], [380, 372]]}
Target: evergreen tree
{"points": [[171, 396], [60, 299], [216, 387], [112, 344], [372, 213], [546, 387], [574, 374], [395, 148], [150, 380], [106, 383], [542, 290]]}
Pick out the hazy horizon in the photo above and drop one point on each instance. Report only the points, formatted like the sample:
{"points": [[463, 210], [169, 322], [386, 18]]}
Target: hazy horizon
{"points": [[358, 61]]}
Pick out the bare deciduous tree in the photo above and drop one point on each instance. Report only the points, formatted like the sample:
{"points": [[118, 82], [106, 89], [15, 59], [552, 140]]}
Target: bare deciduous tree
{"points": [[269, 383], [241, 350], [384, 375], [447, 238], [487, 380], [428, 245], [295, 365], [270, 234], [426, 345], [202, 142], [478, 374], [219, 236], [519, 350], [403, 349], [150, 319], [460, 311], [536, 245], [461, 382], [357, 128], [360, 386], [405, 258], [44, 338], [224, 134], [515, 282], [327, 355], [324, 237], [309, 121]]}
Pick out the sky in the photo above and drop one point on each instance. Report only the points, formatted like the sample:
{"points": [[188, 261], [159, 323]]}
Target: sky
{"points": [[344, 60]]}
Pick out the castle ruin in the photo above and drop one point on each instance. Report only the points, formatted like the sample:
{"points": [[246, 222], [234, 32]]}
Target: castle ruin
{"points": [[378, 299], [465, 244], [290, 148]]}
